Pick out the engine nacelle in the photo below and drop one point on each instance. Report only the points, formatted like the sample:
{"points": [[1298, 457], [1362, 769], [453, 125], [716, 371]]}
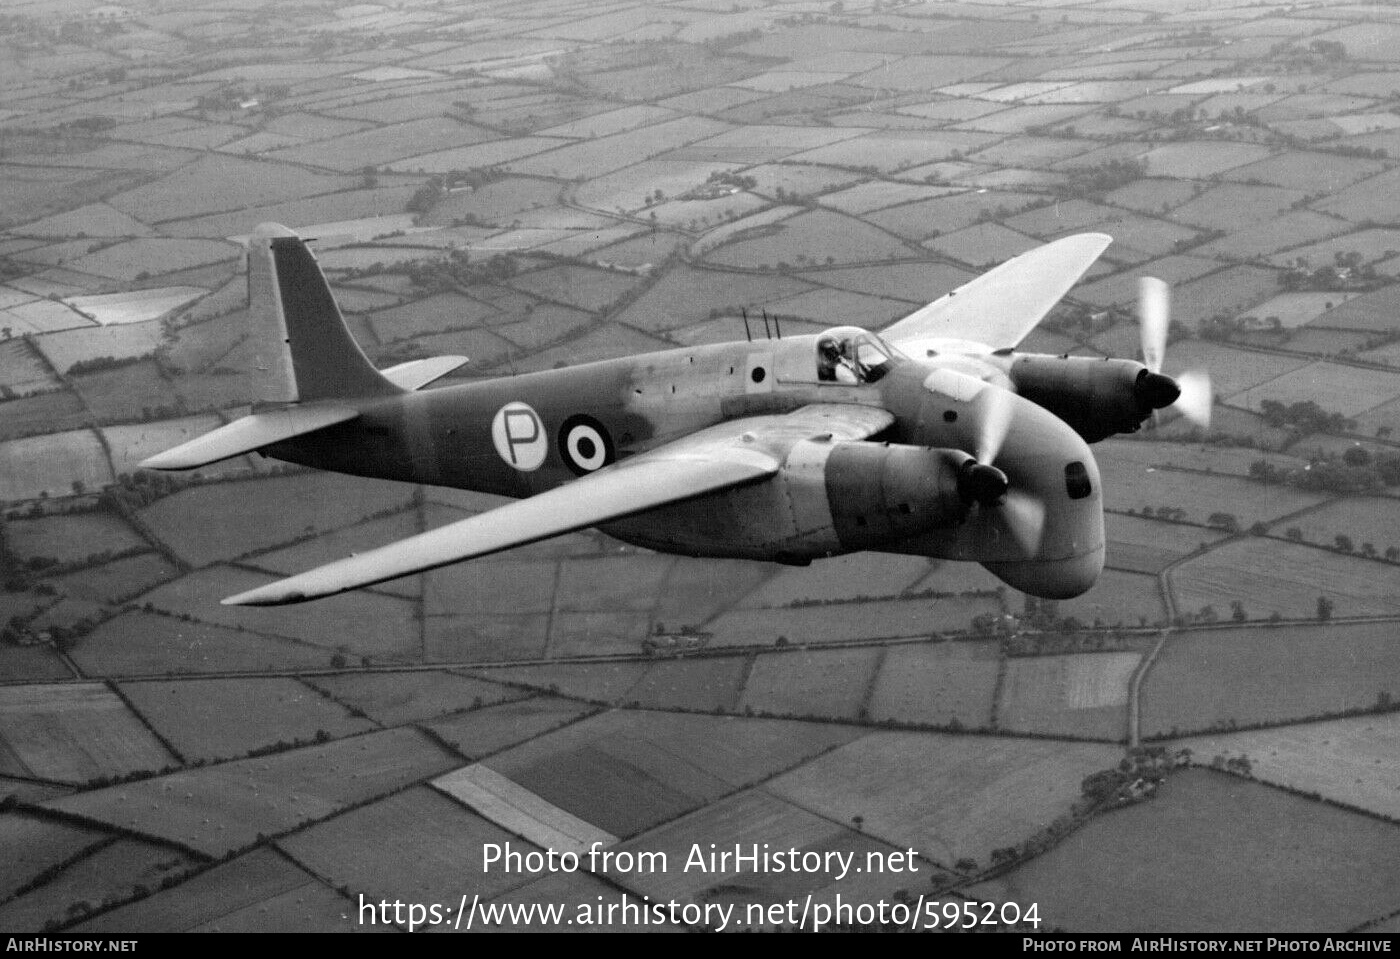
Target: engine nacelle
{"points": [[880, 493], [1096, 397], [829, 498]]}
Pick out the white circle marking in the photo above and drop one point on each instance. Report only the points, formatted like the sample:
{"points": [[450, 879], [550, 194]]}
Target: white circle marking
{"points": [[519, 435], [583, 434]]}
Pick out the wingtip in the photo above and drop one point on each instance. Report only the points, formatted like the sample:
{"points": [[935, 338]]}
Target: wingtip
{"points": [[270, 595]]}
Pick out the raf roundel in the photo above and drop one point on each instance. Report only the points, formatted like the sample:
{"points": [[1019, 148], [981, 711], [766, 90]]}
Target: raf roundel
{"points": [[585, 444], [519, 436]]}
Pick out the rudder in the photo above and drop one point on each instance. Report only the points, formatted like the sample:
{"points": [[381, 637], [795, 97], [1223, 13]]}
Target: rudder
{"points": [[304, 350]]}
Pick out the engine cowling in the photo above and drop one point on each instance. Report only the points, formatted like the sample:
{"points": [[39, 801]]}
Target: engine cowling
{"points": [[880, 493], [828, 498], [1096, 397]]}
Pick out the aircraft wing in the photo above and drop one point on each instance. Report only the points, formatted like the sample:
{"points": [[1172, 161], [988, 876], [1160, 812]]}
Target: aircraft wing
{"points": [[999, 308], [724, 456]]}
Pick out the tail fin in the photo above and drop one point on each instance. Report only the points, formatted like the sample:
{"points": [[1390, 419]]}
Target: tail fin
{"points": [[305, 351]]}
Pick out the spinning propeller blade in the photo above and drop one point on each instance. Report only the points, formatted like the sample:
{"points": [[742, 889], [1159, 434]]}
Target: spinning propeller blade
{"points": [[1190, 393], [985, 485]]}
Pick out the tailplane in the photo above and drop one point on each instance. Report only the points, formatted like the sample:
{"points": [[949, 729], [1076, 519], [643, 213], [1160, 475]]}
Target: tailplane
{"points": [[304, 351], [308, 371]]}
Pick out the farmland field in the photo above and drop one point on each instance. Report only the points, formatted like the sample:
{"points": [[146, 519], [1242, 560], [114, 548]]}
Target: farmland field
{"points": [[880, 619], [1273, 576], [362, 623], [224, 807], [50, 465], [70, 539], [1213, 679], [1220, 831], [396, 698], [1349, 761], [116, 872], [710, 684], [144, 643], [816, 683], [191, 714], [481, 732], [948, 797], [598, 682], [1149, 546], [1129, 486], [31, 845], [415, 843], [238, 518], [936, 683], [73, 734], [117, 581], [259, 890], [756, 816], [1364, 519], [618, 770], [815, 237], [1084, 695]]}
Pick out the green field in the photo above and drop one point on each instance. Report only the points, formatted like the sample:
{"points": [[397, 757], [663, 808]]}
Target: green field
{"points": [[192, 715], [1082, 695], [259, 890], [70, 539], [936, 683], [1220, 678], [393, 699], [481, 732], [146, 643], [115, 872], [618, 772], [226, 520], [816, 683], [1273, 576], [74, 734], [948, 797], [1345, 760], [418, 841], [1220, 831], [225, 807]]}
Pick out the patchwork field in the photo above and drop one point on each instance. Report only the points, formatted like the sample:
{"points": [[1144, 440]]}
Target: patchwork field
{"points": [[1221, 830], [259, 890], [1081, 695], [1273, 576], [74, 734], [1346, 760], [936, 683], [1219, 678], [392, 699], [226, 807], [618, 770], [226, 520], [192, 715], [948, 797]]}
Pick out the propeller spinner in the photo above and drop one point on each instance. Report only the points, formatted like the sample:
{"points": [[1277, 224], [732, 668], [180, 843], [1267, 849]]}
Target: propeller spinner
{"points": [[1189, 394]]}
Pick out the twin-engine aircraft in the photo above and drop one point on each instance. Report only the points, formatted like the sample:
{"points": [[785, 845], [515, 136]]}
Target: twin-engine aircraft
{"points": [[934, 438]]}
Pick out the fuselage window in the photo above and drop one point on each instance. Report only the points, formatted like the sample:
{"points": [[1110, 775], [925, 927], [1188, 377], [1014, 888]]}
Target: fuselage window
{"points": [[1077, 483]]}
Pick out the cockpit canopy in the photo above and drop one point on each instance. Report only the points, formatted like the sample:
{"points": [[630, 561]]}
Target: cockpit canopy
{"points": [[850, 356]]}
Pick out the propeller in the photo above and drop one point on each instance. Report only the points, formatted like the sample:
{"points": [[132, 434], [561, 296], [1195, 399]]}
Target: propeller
{"points": [[1190, 394], [982, 483]]}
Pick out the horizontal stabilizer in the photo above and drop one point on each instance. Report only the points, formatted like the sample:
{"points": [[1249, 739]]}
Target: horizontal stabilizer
{"points": [[248, 434], [416, 374]]}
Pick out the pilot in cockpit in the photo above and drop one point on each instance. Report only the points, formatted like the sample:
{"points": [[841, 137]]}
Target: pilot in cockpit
{"points": [[834, 364]]}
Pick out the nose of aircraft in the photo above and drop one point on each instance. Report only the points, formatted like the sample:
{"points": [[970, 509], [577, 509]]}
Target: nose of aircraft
{"points": [[1053, 579]]}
